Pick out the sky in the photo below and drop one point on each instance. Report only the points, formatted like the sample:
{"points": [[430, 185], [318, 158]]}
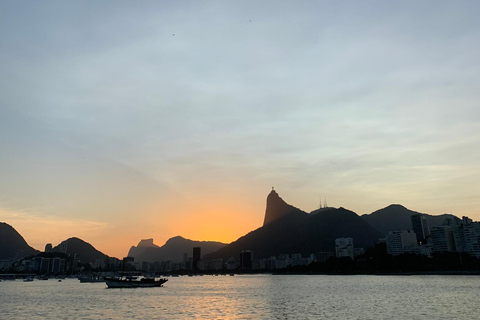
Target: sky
{"points": [[127, 120]]}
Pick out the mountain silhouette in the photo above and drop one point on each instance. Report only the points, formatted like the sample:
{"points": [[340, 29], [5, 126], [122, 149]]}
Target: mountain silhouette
{"points": [[79, 249], [291, 230], [397, 217], [277, 208], [172, 250], [12, 245]]}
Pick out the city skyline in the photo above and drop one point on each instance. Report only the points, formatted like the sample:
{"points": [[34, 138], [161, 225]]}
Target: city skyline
{"points": [[122, 121]]}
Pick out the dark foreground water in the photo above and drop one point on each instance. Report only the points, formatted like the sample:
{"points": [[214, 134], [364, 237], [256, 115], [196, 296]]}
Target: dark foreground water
{"points": [[249, 297]]}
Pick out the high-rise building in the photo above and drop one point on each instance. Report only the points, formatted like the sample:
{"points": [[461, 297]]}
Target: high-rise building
{"points": [[401, 241], [45, 265], [442, 239], [344, 248], [469, 237], [457, 236], [55, 264], [246, 259], [197, 255], [62, 247], [48, 247], [420, 227]]}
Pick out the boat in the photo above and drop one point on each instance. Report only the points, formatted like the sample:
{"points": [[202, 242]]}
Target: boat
{"points": [[134, 282], [91, 279]]}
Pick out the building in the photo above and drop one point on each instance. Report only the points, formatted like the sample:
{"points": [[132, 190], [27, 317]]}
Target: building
{"points": [[211, 264], [231, 264], [62, 247], [443, 239], [344, 248], [358, 251], [197, 255], [57, 265], [457, 236], [48, 247], [246, 259], [44, 265], [323, 256], [420, 227], [128, 263], [401, 241], [469, 237]]}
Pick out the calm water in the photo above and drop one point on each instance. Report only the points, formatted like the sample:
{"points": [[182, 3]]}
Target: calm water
{"points": [[249, 297]]}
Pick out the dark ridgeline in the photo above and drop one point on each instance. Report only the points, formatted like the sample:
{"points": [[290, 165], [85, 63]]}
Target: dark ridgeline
{"points": [[142, 249], [290, 230], [277, 208], [79, 249], [12, 244], [397, 217], [172, 250], [286, 229]]}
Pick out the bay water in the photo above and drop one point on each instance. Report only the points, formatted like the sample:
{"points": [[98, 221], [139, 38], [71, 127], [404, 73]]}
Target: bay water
{"points": [[249, 297]]}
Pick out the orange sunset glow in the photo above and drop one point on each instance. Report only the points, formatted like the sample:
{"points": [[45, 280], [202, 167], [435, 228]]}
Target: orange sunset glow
{"points": [[160, 120]]}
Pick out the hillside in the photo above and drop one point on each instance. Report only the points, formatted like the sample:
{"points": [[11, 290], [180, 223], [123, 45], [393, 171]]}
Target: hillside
{"points": [[397, 217], [296, 231], [277, 208], [77, 248], [12, 245], [172, 250]]}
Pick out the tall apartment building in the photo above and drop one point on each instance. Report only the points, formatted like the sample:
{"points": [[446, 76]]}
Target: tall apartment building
{"points": [[457, 236], [401, 241], [420, 227], [197, 255], [246, 259]]}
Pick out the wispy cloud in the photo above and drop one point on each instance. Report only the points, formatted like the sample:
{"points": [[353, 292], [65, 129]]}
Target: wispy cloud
{"points": [[117, 109]]}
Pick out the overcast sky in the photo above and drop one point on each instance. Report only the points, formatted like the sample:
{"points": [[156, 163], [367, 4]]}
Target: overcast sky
{"points": [[127, 120]]}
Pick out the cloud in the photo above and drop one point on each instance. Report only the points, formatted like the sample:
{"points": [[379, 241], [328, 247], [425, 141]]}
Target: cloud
{"points": [[105, 114]]}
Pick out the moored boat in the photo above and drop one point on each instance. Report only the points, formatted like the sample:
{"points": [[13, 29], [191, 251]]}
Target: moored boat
{"points": [[134, 282], [90, 279]]}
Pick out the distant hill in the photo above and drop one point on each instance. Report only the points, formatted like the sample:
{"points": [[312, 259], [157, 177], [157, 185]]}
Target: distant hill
{"points": [[12, 245], [397, 217], [295, 231], [172, 250], [80, 249]]}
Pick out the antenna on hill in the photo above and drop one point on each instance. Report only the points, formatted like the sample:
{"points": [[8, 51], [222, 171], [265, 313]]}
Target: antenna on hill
{"points": [[320, 202], [325, 205]]}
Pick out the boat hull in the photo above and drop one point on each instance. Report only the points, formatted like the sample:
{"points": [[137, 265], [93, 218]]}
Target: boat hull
{"points": [[90, 279], [122, 283]]}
